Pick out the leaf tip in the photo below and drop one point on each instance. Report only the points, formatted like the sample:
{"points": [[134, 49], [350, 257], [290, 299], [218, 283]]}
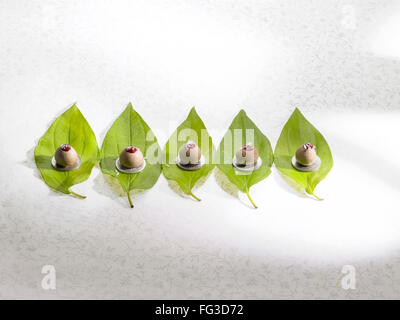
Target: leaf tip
{"points": [[297, 111], [74, 106], [193, 113], [193, 110], [129, 106]]}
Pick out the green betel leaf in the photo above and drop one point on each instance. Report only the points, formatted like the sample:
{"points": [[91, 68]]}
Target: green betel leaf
{"points": [[73, 129], [192, 129], [243, 131], [298, 131], [129, 129]]}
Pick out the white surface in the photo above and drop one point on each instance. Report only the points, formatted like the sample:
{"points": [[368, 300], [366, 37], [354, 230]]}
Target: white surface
{"points": [[338, 61]]}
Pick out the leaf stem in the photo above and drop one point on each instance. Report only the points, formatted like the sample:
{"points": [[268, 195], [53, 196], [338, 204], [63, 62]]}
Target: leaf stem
{"points": [[251, 200], [191, 193], [316, 196], [77, 195], [130, 200]]}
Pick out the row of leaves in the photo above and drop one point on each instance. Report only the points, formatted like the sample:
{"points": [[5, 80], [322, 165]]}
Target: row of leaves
{"points": [[129, 129]]}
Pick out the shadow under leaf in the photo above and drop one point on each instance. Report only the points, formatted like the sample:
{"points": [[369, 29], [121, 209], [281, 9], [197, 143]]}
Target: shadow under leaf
{"points": [[225, 184], [289, 184]]}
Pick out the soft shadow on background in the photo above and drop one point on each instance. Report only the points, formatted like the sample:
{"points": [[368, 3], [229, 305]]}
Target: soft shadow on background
{"points": [[164, 56]]}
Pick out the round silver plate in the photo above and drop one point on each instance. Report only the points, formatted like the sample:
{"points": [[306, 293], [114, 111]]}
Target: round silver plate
{"points": [[248, 168], [66, 168], [190, 167], [315, 166], [123, 169]]}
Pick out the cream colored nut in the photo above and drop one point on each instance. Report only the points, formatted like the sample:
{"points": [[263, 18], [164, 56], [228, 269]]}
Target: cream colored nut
{"points": [[189, 153], [247, 155], [306, 154], [66, 156], [131, 157]]}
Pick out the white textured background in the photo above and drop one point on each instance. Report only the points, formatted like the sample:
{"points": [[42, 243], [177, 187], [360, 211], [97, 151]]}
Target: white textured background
{"points": [[338, 61]]}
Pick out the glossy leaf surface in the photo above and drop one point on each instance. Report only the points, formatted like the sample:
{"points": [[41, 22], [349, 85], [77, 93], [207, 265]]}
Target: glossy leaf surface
{"points": [[243, 131], [129, 129], [297, 131], [73, 129], [192, 129]]}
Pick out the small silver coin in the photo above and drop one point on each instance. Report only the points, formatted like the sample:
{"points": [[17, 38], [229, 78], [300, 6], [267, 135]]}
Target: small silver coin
{"points": [[123, 169], [190, 167], [313, 167], [247, 168], [66, 168]]}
